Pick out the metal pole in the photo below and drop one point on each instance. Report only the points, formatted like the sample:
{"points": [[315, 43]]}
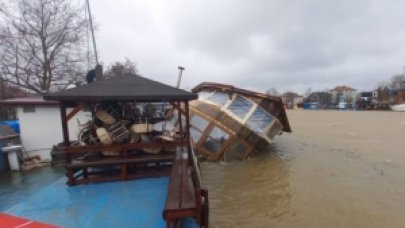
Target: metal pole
{"points": [[92, 31], [180, 74]]}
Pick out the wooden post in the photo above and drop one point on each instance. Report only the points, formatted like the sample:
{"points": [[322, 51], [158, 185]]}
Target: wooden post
{"points": [[66, 142], [179, 117], [187, 115], [65, 129]]}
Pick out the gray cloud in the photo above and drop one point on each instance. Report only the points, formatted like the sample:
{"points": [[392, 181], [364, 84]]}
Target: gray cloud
{"points": [[258, 44]]}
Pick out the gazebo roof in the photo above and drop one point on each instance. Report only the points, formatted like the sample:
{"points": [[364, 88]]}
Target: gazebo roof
{"points": [[123, 88]]}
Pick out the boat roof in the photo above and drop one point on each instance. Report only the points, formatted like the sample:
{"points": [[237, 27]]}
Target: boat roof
{"points": [[282, 116], [129, 87]]}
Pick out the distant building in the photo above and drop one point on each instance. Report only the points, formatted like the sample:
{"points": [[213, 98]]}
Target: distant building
{"points": [[343, 94], [367, 96], [291, 100], [375, 95], [322, 99], [40, 124], [366, 100]]}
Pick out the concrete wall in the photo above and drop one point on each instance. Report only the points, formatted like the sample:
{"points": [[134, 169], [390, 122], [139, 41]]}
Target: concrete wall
{"points": [[42, 129]]}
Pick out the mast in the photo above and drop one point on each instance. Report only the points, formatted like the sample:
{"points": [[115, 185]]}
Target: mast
{"points": [[92, 32]]}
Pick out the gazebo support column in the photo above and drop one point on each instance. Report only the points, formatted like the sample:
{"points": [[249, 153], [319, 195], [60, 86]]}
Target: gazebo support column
{"points": [[179, 119], [65, 129], [66, 140], [187, 136]]}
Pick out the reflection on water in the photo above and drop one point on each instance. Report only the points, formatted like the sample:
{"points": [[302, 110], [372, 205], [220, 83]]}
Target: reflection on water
{"points": [[16, 186], [349, 174]]}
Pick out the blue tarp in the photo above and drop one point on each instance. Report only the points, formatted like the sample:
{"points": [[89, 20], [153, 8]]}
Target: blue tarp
{"points": [[311, 105], [14, 124]]}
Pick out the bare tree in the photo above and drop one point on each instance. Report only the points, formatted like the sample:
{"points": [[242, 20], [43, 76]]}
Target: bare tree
{"points": [[121, 68], [396, 81], [41, 44], [272, 91], [308, 92]]}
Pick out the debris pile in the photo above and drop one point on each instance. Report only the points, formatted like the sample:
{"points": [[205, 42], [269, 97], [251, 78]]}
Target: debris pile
{"points": [[128, 122]]}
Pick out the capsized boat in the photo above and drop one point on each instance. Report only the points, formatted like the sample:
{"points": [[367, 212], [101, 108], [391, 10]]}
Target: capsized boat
{"points": [[398, 107], [229, 123]]}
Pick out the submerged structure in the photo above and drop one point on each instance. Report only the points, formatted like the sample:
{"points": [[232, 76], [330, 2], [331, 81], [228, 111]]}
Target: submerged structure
{"points": [[229, 123]]}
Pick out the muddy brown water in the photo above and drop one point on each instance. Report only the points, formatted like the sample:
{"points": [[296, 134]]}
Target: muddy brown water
{"points": [[337, 169]]}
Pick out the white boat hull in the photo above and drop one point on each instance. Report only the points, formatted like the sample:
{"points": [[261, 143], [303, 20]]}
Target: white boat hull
{"points": [[398, 108]]}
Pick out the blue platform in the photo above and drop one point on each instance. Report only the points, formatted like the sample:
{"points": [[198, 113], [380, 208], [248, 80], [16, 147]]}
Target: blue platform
{"points": [[137, 203]]}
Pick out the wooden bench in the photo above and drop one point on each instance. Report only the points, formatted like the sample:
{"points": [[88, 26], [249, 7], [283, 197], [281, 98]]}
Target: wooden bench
{"points": [[186, 197], [128, 167]]}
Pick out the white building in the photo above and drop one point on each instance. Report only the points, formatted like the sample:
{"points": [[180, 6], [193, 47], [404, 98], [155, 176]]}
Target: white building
{"points": [[40, 124], [343, 94]]}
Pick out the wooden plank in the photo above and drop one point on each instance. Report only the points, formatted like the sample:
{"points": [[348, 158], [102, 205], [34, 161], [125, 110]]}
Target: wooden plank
{"points": [[121, 147], [97, 179], [187, 188], [195, 169], [117, 160], [124, 172], [118, 177], [174, 192]]}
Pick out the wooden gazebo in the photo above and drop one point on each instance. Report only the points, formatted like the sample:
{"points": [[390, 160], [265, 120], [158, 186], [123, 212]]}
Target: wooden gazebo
{"points": [[186, 197], [121, 90]]}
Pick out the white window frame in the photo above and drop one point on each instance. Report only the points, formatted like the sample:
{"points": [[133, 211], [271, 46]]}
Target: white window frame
{"points": [[229, 112]]}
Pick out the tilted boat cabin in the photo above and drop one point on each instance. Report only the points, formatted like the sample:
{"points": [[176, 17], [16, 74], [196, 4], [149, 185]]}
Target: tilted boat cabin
{"points": [[232, 123]]}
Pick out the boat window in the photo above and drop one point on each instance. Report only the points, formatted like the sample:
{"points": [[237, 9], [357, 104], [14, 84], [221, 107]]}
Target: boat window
{"points": [[240, 106], [204, 94], [199, 122], [236, 151], [259, 120], [215, 139], [219, 98]]}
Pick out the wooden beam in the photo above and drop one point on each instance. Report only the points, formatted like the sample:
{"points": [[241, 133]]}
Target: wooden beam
{"points": [[75, 111], [121, 147], [177, 107]]}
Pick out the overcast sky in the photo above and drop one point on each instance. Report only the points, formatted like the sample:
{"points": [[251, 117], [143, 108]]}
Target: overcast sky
{"points": [[256, 44]]}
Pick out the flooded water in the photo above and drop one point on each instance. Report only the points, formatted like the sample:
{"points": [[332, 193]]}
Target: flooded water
{"points": [[16, 186], [337, 169]]}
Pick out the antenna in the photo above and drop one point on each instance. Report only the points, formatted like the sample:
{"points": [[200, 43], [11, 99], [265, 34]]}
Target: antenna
{"points": [[92, 31]]}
